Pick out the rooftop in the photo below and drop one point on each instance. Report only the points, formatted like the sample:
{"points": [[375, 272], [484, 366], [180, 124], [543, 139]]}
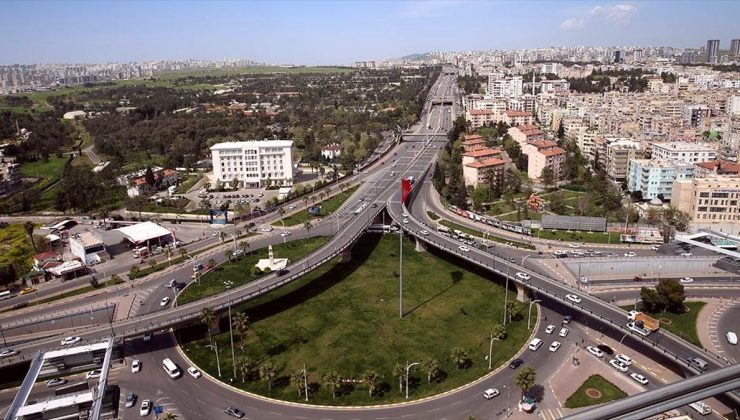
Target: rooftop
{"points": [[87, 239], [142, 232], [482, 152], [543, 144], [252, 143], [552, 152], [485, 163], [685, 146]]}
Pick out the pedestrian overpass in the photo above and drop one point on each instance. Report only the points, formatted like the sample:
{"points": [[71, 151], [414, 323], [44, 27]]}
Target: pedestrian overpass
{"points": [[714, 241]]}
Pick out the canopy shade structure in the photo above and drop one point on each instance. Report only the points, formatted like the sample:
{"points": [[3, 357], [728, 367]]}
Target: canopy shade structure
{"points": [[142, 232]]}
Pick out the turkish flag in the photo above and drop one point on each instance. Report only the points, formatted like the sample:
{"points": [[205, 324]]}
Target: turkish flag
{"points": [[405, 189]]}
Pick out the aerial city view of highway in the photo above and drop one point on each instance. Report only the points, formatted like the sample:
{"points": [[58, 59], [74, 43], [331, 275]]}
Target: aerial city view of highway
{"points": [[343, 227]]}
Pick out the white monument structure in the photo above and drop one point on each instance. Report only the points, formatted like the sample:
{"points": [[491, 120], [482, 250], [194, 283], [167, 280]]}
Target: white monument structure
{"points": [[271, 262]]}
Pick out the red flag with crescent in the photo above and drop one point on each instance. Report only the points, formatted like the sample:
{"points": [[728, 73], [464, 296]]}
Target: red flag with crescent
{"points": [[405, 189]]}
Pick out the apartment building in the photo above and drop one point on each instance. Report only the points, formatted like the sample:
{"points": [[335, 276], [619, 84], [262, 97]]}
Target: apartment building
{"points": [[684, 151], [716, 167], [480, 117], [732, 107], [618, 155], [480, 154], [517, 118], [696, 115], [479, 171], [473, 142], [524, 134], [653, 177], [710, 200], [509, 87], [254, 163], [542, 153]]}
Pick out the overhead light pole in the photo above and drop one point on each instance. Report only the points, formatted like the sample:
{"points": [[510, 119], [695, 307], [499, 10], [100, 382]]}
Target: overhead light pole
{"points": [[506, 293], [408, 367], [228, 285], [400, 274], [529, 316]]}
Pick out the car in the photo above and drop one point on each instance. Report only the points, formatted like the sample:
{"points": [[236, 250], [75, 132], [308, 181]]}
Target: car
{"points": [[630, 254], [8, 353], [56, 382], [136, 366], [563, 332], [686, 254], [234, 412], [516, 363], [282, 272], [616, 364], [165, 301], [576, 252], [130, 400], [405, 220], [27, 290], [574, 245], [195, 373], [595, 351], [573, 298], [179, 286], [655, 247], [686, 280], [554, 346], [146, 407], [93, 374], [285, 233], [66, 341], [237, 253], [147, 336], [424, 232], [374, 205], [523, 276], [626, 360], [606, 349], [550, 329], [560, 254], [639, 378], [490, 393], [731, 337], [171, 284], [637, 278], [567, 319], [463, 248], [266, 229]]}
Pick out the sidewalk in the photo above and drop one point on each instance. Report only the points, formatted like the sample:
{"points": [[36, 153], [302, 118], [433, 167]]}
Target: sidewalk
{"points": [[707, 322]]}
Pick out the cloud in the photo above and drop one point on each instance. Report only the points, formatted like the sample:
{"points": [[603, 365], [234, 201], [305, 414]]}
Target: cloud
{"points": [[426, 8], [620, 14]]}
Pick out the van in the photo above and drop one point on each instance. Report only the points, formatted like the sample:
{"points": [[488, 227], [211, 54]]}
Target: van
{"points": [[698, 363], [171, 368], [535, 344]]}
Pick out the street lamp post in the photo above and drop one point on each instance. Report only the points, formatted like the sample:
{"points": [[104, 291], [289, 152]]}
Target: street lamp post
{"points": [[234, 237], [506, 293], [305, 380], [228, 285], [490, 350], [400, 276], [529, 316], [408, 367], [620, 341], [192, 259]]}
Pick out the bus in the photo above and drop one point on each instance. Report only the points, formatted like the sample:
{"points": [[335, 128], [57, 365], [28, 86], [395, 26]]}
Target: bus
{"points": [[5, 295], [171, 368], [444, 230]]}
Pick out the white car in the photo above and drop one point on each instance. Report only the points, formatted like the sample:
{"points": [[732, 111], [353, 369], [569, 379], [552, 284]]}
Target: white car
{"points": [[146, 407], [195, 373], [490, 393], [463, 248], [165, 301], [731, 337], [574, 245], [266, 229], [554, 346], [624, 359], [686, 280], [630, 254], [8, 353], [523, 276], [424, 232], [618, 365], [655, 247], [405, 220], [595, 351], [285, 233], [573, 298], [135, 366], [687, 254], [237, 253], [93, 374], [549, 329], [639, 378], [563, 332], [70, 340]]}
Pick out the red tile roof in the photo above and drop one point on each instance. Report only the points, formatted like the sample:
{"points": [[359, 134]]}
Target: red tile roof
{"points": [[485, 163], [720, 166], [482, 152], [518, 113], [473, 137], [543, 144], [481, 112], [45, 255], [553, 151]]}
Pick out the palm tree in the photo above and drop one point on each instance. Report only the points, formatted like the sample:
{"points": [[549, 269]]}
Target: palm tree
{"points": [[133, 272], [244, 365], [281, 213], [183, 252], [152, 263], [525, 379], [308, 226], [322, 195], [240, 322], [244, 246], [399, 371], [28, 226], [498, 332], [432, 368], [207, 316], [305, 200], [372, 380], [221, 236], [459, 356], [228, 253], [267, 374], [512, 310], [332, 381], [211, 263], [296, 380]]}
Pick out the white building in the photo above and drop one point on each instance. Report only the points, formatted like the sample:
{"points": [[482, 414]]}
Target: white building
{"points": [[656, 176], [88, 248], [684, 152], [733, 105], [510, 87], [254, 163]]}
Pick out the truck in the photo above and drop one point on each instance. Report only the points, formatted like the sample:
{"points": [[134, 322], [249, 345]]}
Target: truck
{"points": [[643, 320], [702, 408]]}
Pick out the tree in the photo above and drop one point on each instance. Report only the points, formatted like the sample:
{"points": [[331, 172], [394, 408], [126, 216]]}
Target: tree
{"points": [[245, 366], [651, 300], [244, 246], [498, 331], [28, 227], [653, 216], [134, 272], [267, 373], [512, 310], [525, 379], [480, 195], [149, 176], [281, 213], [673, 293], [561, 131], [170, 416], [207, 316], [557, 203], [228, 253], [296, 380], [432, 368], [548, 176], [332, 381], [460, 357], [399, 371], [372, 380], [240, 322], [307, 225], [152, 263]]}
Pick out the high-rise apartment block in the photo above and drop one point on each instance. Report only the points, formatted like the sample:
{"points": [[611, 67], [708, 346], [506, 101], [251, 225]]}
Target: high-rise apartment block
{"points": [[735, 47], [713, 51], [510, 87], [254, 163]]}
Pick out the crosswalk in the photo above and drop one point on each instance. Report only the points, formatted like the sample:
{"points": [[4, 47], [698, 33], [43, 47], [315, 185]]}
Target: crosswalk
{"points": [[551, 413]]}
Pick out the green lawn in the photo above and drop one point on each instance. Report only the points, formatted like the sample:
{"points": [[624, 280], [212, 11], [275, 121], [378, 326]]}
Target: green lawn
{"points": [[75, 292], [511, 217], [609, 392], [240, 272], [573, 236], [188, 184], [15, 248], [432, 215], [345, 317], [328, 207], [53, 168], [683, 325], [479, 234]]}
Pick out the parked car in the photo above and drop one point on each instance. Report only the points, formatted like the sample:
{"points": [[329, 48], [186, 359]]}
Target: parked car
{"points": [[554, 346], [136, 366], [595, 351], [639, 378], [616, 364], [624, 359], [130, 400], [146, 407], [550, 329], [71, 340], [731, 337], [563, 332], [606, 349]]}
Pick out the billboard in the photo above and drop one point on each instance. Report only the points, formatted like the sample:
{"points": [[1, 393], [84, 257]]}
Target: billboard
{"points": [[219, 217]]}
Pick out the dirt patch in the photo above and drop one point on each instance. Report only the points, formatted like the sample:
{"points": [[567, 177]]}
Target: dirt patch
{"points": [[593, 393]]}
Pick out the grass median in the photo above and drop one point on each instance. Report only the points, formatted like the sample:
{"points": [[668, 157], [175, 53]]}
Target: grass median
{"points": [[569, 236], [601, 391], [81, 290], [479, 234], [240, 271], [328, 207], [344, 318]]}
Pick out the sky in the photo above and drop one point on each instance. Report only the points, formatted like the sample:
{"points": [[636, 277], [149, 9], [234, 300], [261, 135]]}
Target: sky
{"points": [[341, 32]]}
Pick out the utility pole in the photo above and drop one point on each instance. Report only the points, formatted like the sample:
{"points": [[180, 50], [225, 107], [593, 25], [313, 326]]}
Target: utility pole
{"points": [[305, 380], [400, 273], [231, 330], [506, 293]]}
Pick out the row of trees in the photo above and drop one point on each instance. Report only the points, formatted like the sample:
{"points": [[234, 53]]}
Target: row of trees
{"points": [[668, 295]]}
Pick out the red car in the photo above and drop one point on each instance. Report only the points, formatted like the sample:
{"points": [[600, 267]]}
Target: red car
{"points": [[637, 278]]}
